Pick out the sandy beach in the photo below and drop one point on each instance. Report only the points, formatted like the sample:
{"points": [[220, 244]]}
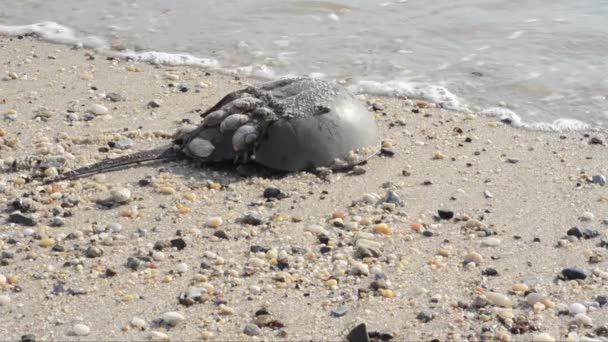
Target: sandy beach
{"points": [[462, 230]]}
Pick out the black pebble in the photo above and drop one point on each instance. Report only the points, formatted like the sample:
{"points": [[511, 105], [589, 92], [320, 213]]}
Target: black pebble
{"points": [[445, 214], [273, 192], [573, 273], [178, 243], [575, 231]]}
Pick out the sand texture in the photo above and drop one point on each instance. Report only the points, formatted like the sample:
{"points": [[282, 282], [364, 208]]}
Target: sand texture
{"points": [[368, 246]]}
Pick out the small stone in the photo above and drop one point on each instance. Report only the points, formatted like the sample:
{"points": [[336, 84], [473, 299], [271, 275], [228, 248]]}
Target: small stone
{"points": [[182, 267], [573, 273], [574, 231], [135, 263], [18, 217], [46, 243], [582, 319], [473, 257], [499, 299], [382, 228], [445, 214], [120, 195], [214, 222], [520, 288], [252, 330], [178, 243], [599, 179], [534, 298], [339, 312], [438, 156], [124, 144], [577, 308], [358, 334], [93, 252], [81, 329], [252, 217], [274, 193], [587, 216], [154, 104], [487, 194], [170, 318], [139, 323], [5, 300], [425, 316], [157, 336], [490, 242], [98, 109]]}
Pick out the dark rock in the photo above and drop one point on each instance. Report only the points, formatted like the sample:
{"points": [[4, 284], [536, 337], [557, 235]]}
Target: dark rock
{"points": [[445, 214], [596, 141], [425, 316], [136, 263], [56, 221], [490, 272], [575, 231], [599, 179], [110, 272], [427, 233], [274, 193], [58, 248], [18, 217], [392, 197], [387, 152], [153, 104], [358, 334], [589, 233], [252, 330], [221, 234], [178, 243], [258, 249], [573, 273], [28, 338], [377, 107], [325, 249], [93, 252], [251, 217], [602, 300], [145, 181], [9, 254]]}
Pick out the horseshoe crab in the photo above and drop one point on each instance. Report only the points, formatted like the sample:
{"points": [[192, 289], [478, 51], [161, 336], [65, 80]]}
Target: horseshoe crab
{"points": [[292, 124]]}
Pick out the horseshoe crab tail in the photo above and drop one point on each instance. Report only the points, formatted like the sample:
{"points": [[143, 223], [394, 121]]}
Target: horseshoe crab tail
{"points": [[162, 153]]}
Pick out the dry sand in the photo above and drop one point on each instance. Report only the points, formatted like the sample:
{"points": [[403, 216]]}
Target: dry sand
{"points": [[537, 186]]}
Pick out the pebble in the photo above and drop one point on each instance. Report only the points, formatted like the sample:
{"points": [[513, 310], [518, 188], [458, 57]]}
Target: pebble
{"points": [[93, 252], [214, 222], [154, 103], [252, 330], [114, 97], [582, 319], [425, 316], [182, 267], [98, 109], [339, 312], [158, 336], [139, 323], [499, 299], [5, 300], [577, 308], [490, 242], [274, 193], [124, 144], [473, 257], [120, 195], [534, 298], [445, 214], [573, 273], [23, 219], [599, 179], [587, 216], [81, 329], [170, 318], [383, 228]]}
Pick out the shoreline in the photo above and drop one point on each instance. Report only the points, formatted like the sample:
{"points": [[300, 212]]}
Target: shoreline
{"points": [[59, 34], [514, 195]]}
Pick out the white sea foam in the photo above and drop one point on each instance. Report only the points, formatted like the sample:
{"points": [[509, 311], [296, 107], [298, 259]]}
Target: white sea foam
{"points": [[437, 94], [57, 33], [559, 125]]}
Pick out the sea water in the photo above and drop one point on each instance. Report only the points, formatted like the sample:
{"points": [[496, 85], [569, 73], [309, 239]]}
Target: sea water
{"points": [[541, 64]]}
